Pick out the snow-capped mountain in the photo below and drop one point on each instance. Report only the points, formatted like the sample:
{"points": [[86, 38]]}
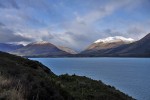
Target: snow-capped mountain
{"points": [[119, 46], [107, 43], [115, 39], [39, 43]]}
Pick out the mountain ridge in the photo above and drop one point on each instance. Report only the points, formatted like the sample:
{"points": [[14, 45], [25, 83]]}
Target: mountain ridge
{"points": [[40, 49], [107, 43], [112, 46], [140, 48]]}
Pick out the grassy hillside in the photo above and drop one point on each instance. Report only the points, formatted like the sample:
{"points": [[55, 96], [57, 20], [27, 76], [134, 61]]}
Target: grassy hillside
{"points": [[23, 79]]}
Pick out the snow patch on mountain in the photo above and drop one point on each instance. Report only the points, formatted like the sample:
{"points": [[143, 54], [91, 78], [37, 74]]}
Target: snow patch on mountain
{"points": [[115, 39], [40, 43]]}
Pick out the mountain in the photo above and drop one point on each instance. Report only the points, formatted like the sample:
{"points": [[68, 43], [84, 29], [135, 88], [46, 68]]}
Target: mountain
{"points": [[24, 79], [40, 49], [122, 48], [66, 49], [107, 43], [6, 47], [139, 48]]}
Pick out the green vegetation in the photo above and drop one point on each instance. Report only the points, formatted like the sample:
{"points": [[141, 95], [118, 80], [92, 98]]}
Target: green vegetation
{"points": [[23, 79], [83, 88]]}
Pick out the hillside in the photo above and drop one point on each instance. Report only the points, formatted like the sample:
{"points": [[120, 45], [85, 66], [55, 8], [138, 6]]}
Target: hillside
{"points": [[40, 49], [23, 79], [107, 43], [66, 49], [140, 48]]}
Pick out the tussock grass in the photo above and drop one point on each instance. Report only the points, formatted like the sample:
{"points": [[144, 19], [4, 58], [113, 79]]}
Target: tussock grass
{"points": [[10, 89]]}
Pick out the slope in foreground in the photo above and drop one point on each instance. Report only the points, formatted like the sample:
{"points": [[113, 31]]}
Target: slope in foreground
{"points": [[23, 79]]}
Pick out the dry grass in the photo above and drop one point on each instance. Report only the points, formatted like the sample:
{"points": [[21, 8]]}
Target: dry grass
{"points": [[10, 89], [15, 95]]}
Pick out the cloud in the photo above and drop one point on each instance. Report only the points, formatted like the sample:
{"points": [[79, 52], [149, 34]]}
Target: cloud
{"points": [[7, 35], [1, 24], [112, 32], [82, 31], [66, 22], [9, 4], [137, 32]]}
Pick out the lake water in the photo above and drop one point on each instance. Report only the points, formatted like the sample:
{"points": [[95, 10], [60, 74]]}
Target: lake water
{"points": [[130, 75]]}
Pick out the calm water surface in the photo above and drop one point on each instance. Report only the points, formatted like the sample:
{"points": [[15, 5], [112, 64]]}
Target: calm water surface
{"points": [[130, 75]]}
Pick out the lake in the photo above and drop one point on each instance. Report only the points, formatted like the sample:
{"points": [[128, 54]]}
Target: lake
{"points": [[129, 75]]}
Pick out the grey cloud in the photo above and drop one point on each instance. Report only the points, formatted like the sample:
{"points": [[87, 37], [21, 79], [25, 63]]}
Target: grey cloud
{"points": [[37, 4], [82, 31], [78, 33], [133, 32], [14, 4], [136, 32], [81, 41], [47, 37], [31, 19], [111, 32], [1, 24], [8, 4], [7, 35], [1, 5], [76, 37]]}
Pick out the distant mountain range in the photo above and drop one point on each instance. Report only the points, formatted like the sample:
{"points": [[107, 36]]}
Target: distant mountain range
{"points": [[117, 46], [43, 49], [107, 43]]}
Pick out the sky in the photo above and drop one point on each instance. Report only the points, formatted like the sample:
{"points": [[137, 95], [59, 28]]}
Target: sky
{"points": [[72, 23]]}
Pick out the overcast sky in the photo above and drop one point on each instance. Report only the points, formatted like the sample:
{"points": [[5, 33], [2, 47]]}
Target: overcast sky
{"points": [[72, 23]]}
